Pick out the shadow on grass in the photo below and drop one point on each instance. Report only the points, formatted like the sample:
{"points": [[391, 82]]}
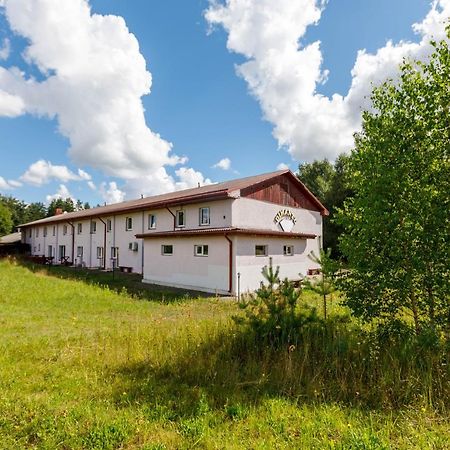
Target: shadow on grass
{"points": [[117, 281], [328, 363]]}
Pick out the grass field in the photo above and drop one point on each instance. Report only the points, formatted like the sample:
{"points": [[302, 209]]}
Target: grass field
{"points": [[83, 366]]}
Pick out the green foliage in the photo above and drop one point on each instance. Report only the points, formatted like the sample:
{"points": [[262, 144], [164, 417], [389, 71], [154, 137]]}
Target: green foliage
{"points": [[271, 312], [6, 223], [397, 225], [64, 204], [329, 182]]}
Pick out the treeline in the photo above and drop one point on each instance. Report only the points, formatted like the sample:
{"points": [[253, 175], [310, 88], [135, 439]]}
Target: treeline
{"points": [[14, 212]]}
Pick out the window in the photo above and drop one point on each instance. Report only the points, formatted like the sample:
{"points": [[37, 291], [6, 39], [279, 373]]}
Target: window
{"points": [[62, 251], [54, 230], [180, 218], [151, 221], [128, 223], [39, 247], [204, 216], [37, 232], [99, 252], [114, 252], [93, 227], [45, 231], [64, 230], [288, 250], [167, 249], [29, 232], [50, 251], [200, 250], [79, 252], [108, 225], [261, 250], [79, 228]]}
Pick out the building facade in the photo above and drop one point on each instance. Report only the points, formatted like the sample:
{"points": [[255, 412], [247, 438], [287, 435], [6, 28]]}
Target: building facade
{"points": [[214, 238]]}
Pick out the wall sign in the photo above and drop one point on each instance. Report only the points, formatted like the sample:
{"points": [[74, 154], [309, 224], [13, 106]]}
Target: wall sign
{"points": [[285, 219]]}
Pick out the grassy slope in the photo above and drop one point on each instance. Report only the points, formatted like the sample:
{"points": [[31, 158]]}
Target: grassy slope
{"points": [[84, 367]]}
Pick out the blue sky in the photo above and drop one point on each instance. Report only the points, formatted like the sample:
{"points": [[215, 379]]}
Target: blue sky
{"points": [[197, 101]]}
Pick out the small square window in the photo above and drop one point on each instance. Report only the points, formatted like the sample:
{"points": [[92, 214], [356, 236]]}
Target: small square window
{"points": [[99, 252], [167, 249], [129, 223], [261, 250], [180, 218], [151, 221], [201, 250], [204, 217], [288, 250]]}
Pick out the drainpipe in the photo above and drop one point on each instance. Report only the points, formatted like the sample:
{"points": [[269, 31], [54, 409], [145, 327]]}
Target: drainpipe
{"points": [[174, 217], [230, 263], [73, 242], [104, 242]]}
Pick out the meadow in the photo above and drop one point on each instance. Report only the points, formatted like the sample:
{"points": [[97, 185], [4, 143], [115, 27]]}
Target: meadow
{"points": [[85, 366]]}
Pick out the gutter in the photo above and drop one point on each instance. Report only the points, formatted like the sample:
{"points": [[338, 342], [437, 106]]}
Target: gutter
{"points": [[230, 264]]}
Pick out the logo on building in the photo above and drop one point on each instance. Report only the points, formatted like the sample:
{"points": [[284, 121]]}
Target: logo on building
{"points": [[285, 219]]}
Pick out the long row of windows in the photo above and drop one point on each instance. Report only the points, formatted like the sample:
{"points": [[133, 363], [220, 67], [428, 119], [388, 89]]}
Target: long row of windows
{"points": [[203, 250]]}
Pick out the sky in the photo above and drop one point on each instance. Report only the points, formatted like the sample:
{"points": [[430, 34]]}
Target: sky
{"points": [[107, 100]]}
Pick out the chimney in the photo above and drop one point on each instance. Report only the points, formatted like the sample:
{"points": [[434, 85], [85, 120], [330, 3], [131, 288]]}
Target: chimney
{"points": [[58, 211]]}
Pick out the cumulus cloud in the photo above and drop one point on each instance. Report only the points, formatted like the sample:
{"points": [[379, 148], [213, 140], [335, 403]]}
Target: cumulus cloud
{"points": [[224, 164], [62, 192], [5, 48], [94, 79], [111, 193], [5, 185], [282, 166], [42, 172], [283, 75]]}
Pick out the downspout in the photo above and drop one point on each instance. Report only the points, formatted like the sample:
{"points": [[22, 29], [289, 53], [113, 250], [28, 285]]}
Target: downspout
{"points": [[104, 242], [73, 242], [230, 263], [174, 217]]}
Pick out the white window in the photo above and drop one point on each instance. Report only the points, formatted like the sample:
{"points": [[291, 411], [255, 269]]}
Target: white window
{"points": [[288, 250], [180, 218], [79, 228], [93, 227], [200, 250], [54, 230], [79, 252], [37, 232], [99, 252], [129, 223], [204, 218], [45, 231], [39, 247], [108, 225], [167, 249], [114, 252], [261, 250], [64, 230], [151, 221], [62, 251], [50, 251]]}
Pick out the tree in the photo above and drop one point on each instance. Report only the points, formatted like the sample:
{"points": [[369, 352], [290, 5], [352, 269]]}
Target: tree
{"points": [[35, 211], [64, 204], [396, 226], [6, 223], [317, 176]]}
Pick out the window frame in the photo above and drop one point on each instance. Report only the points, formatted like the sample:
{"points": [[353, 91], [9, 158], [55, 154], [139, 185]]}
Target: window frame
{"points": [[44, 234], [37, 232], [100, 252], [80, 254], [151, 222], [266, 250], [163, 249], [290, 253], [128, 222], [108, 225], [200, 216], [54, 230], [177, 218], [201, 253], [80, 228], [93, 227], [64, 230], [50, 251]]}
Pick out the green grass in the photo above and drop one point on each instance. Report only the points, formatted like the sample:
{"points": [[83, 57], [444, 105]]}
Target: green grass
{"points": [[84, 366]]}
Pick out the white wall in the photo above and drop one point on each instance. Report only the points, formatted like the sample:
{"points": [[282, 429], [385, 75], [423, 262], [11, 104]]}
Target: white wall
{"points": [[183, 268]]}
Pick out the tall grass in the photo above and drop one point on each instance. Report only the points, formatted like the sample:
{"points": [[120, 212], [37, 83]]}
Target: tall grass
{"points": [[84, 367]]}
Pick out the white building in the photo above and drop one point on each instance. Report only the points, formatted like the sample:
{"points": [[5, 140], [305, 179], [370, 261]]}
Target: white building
{"points": [[213, 238]]}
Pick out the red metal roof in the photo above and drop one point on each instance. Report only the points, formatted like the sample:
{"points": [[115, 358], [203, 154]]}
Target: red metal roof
{"points": [[218, 191], [225, 231]]}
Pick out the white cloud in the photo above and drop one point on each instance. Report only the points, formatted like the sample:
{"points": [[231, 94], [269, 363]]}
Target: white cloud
{"points": [[282, 166], [92, 185], [42, 172], [4, 185], [95, 78], [111, 193], [189, 178], [283, 75], [224, 164], [63, 192], [5, 49]]}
